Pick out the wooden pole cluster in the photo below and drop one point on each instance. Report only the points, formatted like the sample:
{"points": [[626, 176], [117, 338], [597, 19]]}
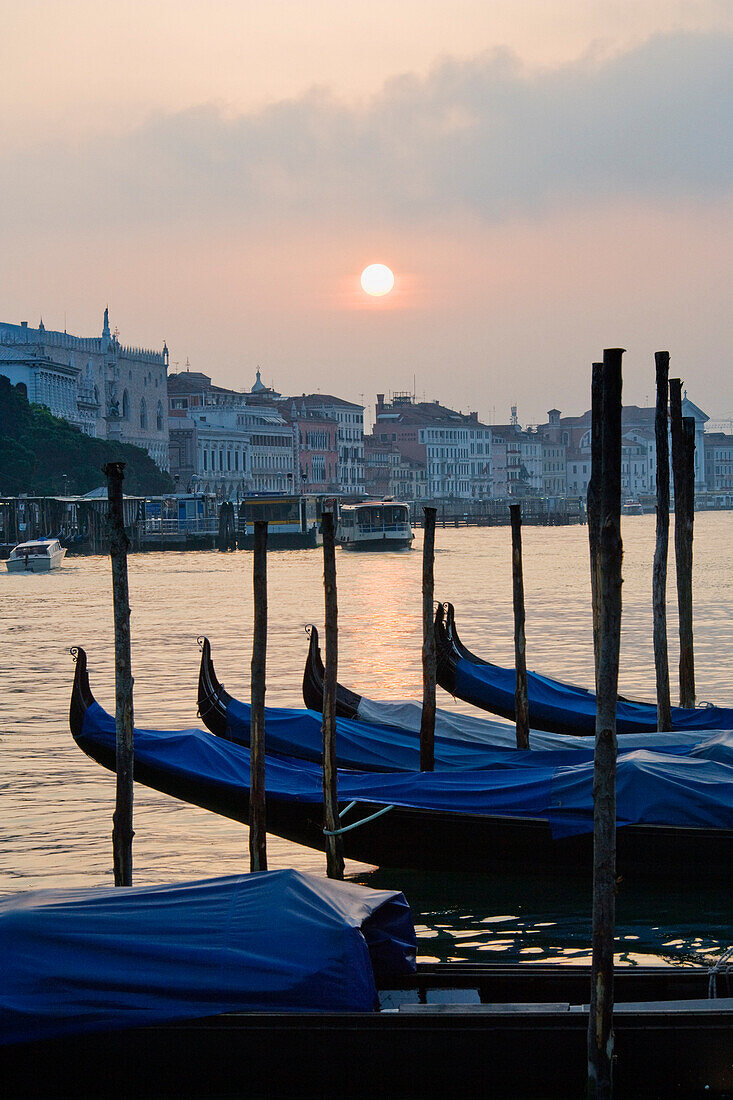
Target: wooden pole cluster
{"points": [[257, 816], [661, 552], [521, 701], [334, 840], [429, 669], [683, 470], [600, 1027], [594, 504], [122, 830], [227, 527]]}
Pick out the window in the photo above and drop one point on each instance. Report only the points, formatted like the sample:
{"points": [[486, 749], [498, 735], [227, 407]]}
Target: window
{"points": [[125, 405], [143, 414], [159, 417]]}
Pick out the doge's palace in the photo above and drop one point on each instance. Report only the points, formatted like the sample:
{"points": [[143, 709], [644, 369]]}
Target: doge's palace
{"points": [[106, 388]]}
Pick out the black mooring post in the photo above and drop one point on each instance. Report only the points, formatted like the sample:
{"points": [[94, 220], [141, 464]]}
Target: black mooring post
{"points": [[600, 1026], [429, 670], [122, 830], [661, 551], [334, 840], [257, 811], [594, 504], [683, 471], [521, 701]]}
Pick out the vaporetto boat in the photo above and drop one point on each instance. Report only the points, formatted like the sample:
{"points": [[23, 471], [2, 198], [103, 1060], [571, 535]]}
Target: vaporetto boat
{"points": [[374, 525]]}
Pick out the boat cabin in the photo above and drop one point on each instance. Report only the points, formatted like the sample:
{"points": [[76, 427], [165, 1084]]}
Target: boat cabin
{"points": [[383, 524]]}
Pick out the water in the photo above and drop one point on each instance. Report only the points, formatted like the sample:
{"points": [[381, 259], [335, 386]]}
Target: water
{"points": [[56, 821]]}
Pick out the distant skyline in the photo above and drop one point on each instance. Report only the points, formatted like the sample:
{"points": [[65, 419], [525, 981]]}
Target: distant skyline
{"points": [[544, 178]]}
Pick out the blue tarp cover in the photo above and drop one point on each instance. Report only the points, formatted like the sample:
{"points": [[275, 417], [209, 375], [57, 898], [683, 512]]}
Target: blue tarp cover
{"points": [[364, 745], [571, 709], [693, 790], [278, 941]]}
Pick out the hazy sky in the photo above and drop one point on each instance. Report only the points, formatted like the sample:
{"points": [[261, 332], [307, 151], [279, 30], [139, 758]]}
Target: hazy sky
{"points": [[544, 177]]}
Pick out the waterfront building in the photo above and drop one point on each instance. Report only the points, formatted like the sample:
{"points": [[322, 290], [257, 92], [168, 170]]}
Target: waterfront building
{"points": [[389, 473], [454, 447], [718, 462], [315, 440], [105, 388], [227, 442], [638, 460], [523, 457], [349, 419]]}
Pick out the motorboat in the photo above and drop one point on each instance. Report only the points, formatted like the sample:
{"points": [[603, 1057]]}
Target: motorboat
{"points": [[37, 556]]}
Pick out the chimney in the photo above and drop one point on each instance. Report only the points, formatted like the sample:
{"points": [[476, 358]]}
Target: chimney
{"points": [[380, 403], [24, 324], [473, 416], [554, 416]]}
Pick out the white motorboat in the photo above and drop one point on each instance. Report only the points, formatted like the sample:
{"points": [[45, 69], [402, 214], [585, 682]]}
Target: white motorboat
{"points": [[36, 557], [376, 525]]}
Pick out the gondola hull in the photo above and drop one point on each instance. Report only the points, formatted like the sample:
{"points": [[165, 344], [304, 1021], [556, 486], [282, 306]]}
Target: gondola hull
{"points": [[504, 1051], [553, 706]]}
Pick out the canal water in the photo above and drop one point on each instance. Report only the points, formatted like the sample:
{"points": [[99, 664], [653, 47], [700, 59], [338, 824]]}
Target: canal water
{"points": [[56, 819]]}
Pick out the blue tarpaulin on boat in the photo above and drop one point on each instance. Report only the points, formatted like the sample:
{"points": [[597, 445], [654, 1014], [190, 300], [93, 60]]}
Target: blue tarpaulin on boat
{"points": [[95, 959], [693, 790], [554, 705], [366, 746]]}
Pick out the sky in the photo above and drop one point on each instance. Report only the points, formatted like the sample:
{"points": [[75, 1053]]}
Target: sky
{"points": [[546, 178]]}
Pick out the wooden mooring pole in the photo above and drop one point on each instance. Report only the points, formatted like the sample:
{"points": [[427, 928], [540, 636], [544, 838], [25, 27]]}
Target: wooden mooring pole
{"points": [[683, 471], [594, 503], [122, 830], [429, 670], [521, 701], [257, 815], [661, 551], [331, 820], [600, 1026]]}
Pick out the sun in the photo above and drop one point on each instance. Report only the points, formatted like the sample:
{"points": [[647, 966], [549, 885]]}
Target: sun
{"points": [[377, 279]]}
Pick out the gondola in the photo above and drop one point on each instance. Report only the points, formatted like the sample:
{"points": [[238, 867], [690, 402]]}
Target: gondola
{"points": [[390, 740], [494, 732], [553, 705], [675, 813], [501, 1036], [282, 983]]}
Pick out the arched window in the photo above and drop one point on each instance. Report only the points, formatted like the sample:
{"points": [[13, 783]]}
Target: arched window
{"points": [[22, 388], [96, 396], [125, 405], [159, 417], [143, 414]]}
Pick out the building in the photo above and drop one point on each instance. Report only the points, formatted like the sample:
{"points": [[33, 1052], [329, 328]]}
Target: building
{"points": [[315, 439], [524, 471], [349, 419], [454, 447], [105, 388], [389, 473], [554, 456], [718, 462], [638, 459], [226, 442]]}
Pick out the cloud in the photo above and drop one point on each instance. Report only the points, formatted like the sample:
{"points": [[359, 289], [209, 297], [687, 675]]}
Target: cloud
{"points": [[482, 137]]}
